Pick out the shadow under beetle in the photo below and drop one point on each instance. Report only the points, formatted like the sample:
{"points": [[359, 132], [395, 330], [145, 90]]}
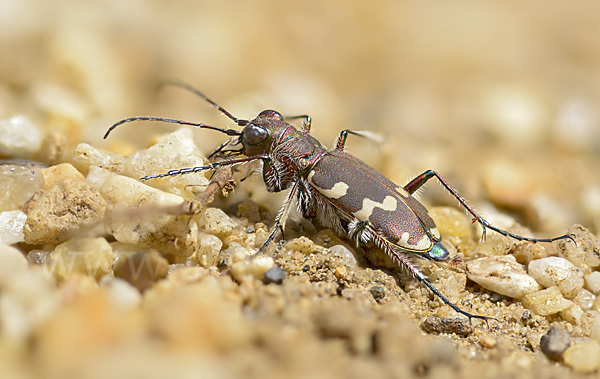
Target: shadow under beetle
{"points": [[342, 192]]}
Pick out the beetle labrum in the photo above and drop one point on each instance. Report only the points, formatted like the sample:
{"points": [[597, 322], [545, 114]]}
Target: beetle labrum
{"points": [[340, 191]]}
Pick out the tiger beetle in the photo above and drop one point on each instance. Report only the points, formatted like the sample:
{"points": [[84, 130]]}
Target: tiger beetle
{"points": [[340, 191]]}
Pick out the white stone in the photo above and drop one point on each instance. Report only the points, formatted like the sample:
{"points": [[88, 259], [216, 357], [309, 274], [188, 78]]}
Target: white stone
{"points": [[555, 271], [20, 137], [97, 176], [209, 247], [572, 314], [11, 227], [176, 151], [215, 221], [344, 255], [17, 185], [244, 265], [546, 302], [86, 156], [592, 282], [89, 256], [502, 275], [145, 216], [584, 299]]}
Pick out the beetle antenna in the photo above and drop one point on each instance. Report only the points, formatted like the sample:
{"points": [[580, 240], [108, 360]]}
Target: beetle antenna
{"points": [[229, 132], [184, 85]]}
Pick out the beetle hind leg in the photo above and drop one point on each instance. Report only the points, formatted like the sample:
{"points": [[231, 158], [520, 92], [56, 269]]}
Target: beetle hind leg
{"points": [[417, 182], [404, 261]]}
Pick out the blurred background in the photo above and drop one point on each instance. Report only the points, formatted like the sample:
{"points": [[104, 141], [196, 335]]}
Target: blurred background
{"points": [[500, 97]]}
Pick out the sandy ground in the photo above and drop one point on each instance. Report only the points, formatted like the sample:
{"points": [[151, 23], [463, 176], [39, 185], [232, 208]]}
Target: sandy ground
{"points": [[500, 98]]}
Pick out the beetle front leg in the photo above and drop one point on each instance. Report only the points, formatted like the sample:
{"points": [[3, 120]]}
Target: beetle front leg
{"points": [[281, 217], [417, 182]]}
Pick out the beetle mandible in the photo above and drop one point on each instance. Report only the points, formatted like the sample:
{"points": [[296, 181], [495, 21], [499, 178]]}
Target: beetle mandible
{"points": [[340, 191]]}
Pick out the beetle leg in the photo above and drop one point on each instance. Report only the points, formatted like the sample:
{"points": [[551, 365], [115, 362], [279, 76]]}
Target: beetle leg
{"points": [[222, 146], [405, 262], [341, 140], [306, 121], [417, 182], [281, 217]]}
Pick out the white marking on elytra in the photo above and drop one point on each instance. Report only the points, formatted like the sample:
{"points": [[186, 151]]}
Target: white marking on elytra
{"points": [[388, 204], [435, 233], [423, 244], [338, 190]]}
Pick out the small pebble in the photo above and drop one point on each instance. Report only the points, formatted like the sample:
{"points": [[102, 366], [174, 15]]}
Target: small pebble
{"points": [[209, 247], [556, 271], [274, 275], [554, 342], [148, 217], [546, 302], [583, 357], [377, 292], [215, 221], [501, 274], [243, 267], [590, 324], [592, 282], [11, 227], [526, 252], [459, 326], [584, 299], [88, 256], [175, 151], [56, 173], [340, 272], [20, 137], [487, 341], [37, 257], [572, 315], [550, 271], [343, 255], [58, 213], [17, 185], [585, 252], [86, 156]]}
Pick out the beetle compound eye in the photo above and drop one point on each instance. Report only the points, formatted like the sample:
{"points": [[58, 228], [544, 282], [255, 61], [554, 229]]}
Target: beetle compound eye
{"points": [[271, 114], [254, 134]]}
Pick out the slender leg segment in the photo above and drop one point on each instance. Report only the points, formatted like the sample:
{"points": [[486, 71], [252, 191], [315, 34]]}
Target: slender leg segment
{"points": [[405, 262], [417, 182], [306, 121], [281, 217], [341, 140]]}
